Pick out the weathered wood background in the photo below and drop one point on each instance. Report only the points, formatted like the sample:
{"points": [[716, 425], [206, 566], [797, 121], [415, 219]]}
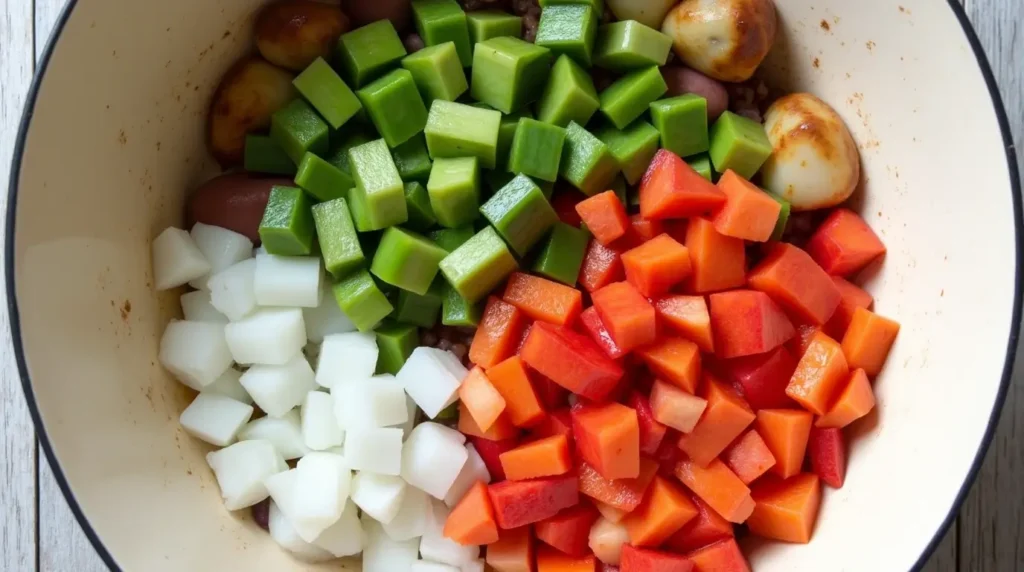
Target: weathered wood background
{"points": [[38, 532]]}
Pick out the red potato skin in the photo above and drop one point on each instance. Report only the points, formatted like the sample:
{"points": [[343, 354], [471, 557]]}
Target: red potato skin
{"points": [[234, 201], [518, 503], [682, 80]]}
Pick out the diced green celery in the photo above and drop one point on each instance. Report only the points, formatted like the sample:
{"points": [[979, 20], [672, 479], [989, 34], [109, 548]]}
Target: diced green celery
{"points": [[479, 265], [406, 260], [361, 300], [287, 225], [339, 243], [562, 255], [395, 343], [631, 95], [264, 155], [327, 93], [454, 190], [459, 130], [520, 214]]}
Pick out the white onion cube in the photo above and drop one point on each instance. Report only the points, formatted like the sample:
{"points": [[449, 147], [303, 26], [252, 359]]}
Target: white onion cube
{"points": [[216, 419], [320, 428], [378, 450], [429, 566], [292, 281], [327, 318], [380, 496], [432, 459], [345, 537], [431, 379], [196, 307], [270, 336], [176, 259], [379, 401], [231, 290], [382, 554], [241, 470], [228, 384], [436, 547], [472, 566], [411, 519], [282, 531], [283, 489], [321, 490], [279, 388], [284, 432], [221, 247], [474, 470], [346, 357], [196, 353]]}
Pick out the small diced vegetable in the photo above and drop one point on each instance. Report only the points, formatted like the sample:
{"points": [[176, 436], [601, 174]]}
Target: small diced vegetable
{"points": [[747, 322], [786, 510], [431, 379], [216, 419], [664, 510], [240, 470], [545, 457], [724, 419], [322, 179], [345, 537], [284, 533], [289, 281], [379, 496], [844, 243], [459, 130], [592, 324], [675, 360], [227, 384], [605, 217], [601, 267], [339, 243], [508, 73], [512, 381], [643, 560], [749, 213], [676, 408], [382, 554], [432, 458], [854, 401], [827, 451], [562, 255], [221, 247], [196, 353], [327, 93], [327, 318], [652, 432], [629, 317], [551, 560], [320, 429], [657, 265], [501, 429], [569, 95], [702, 165], [471, 521], [607, 540], [623, 494], [377, 401], [629, 45], [378, 199], [569, 530], [297, 129], [568, 30], [454, 190], [441, 21], [413, 163], [608, 439], [487, 24], [480, 264], [724, 554], [346, 357], [571, 360], [784, 209], [672, 189], [520, 213], [277, 389], [232, 290], [264, 155], [500, 176], [719, 487], [851, 297], [749, 457], [270, 336], [395, 106], [481, 399], [586, 163], [513, 552], [287, 227], [436, 547], [785, 432], [518, 503], [633, 147], [763, 377], [353, 137], [596, 5], [683, 123], [536, 149], [706, 528], [284, 432], [410, 522], [475, 470], [451, 238], [367, 52], [321, 488], [542, 299], [407, 260], [457, 311], [819, 374], [361, 300], [396, 343], [177, 259], [630, 95], [718, 261], [377, 450], [688, 316], [868, 340], [738, 143]]}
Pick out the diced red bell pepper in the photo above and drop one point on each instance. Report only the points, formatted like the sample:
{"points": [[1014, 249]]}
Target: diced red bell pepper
{"points": [[518, 503], [723, 556], [571, 360], [706, 528], [593, 325], [551, 395], [623, 494], [792, 278], [762, 378], [558, 422], [672, 189], [569, 530], [827, 451], [601, 266], [651, 432], [490, 451], [564, 202], [644, 560], [747, 322], [608, 439], [851, 298], [646, 229], [844, 243]]}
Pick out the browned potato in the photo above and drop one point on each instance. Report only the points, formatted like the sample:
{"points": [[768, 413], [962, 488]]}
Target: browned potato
{"points": [[682, 80], [724, 39], [366, 11], [234, 201], [247, 96], [293, 33]]}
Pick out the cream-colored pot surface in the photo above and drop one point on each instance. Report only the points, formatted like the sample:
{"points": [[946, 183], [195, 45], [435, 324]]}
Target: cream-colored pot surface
{"points": [[115, 141]]}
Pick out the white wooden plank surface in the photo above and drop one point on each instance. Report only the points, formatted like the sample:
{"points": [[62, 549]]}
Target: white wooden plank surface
{"points": [[988, 536]]}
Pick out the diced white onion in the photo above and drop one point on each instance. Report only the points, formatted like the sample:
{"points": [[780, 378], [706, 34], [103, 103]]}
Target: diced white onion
{"points": [[270, 336], [292, 281], [279, 388], [241, 470], [320, 428], [231, 290], [432, 378], [432, 459], [378, 450], [216, 419], [346, 357], [196, 307], [195, 352], [176, 259], [221, 247], [284, 432], [411, 519], [379, 496]]}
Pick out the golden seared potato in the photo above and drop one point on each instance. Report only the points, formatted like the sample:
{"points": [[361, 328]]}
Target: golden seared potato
{"points": [[247, 96], [723, 39], [366, 11], [814, 162], [293, 33], [647, 12]]}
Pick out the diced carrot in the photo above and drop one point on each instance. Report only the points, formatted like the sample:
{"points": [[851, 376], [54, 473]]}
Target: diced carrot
{"points": [[645, 228], [676, 408], [664, 510], [608, 439], [819, 375], [643, 560], [490, 451], [827, 451], [672, 189], [748, 213], [551, 395], [568, 530], [724, 419], [651, 431], [688, 316], [762, 378], [558, 422], [749, 457], [545, 457], [564, 201], [786, 510], [543, 299], [856, 399], [747, 322], [623, 494], [595, 328], [792, 278], [605, 216], [804, 334], [657, 265], [719, 487], [628, 315], [722, 556], [513, 552], [706, 528], [522, 337], [571, 360], [851, 297], [518, 503], [868, 340], [471, 522], [481, 399], [785, 432], [844, 243], [497, 333], [718, 262], [512, 381], [502, 428], [601, 266], [676, 360], [610, 513], [551, 560]]}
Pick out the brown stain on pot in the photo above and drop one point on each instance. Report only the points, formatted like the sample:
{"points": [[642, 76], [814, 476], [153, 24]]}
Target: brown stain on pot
{"points": [[825, 26]]}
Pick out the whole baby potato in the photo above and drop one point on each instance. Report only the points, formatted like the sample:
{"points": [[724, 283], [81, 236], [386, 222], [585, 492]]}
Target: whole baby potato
{"points": [[293, 33], [682, 80], [366, 11], [648, 12], [247, 96], [724, 39], [234, 201]]}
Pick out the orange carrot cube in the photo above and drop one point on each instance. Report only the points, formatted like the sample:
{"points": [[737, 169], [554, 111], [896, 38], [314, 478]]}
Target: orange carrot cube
{"points": [[676, 360], [785, 432], [786, 510], [748, 213], [657, 265], [819, 375], [855, 400], [725, 418], [543, 299], [605, 217], [664, 510], [868, 340]]}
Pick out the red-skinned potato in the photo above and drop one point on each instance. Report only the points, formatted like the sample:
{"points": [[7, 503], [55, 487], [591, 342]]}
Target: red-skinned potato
{"points": [[723, 39], [234, 201], [366, 11], [293, 33], [682, 80], [247, 96]]}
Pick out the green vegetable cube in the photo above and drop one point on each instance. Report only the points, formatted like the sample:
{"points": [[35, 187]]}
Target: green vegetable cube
{"points": [[570, 30], [780, 224], [454, 190], [339, 243], [459, 130], [264, 155], [419, 310], [520, 214], [437, 72], [457, 311], [562, 255], [340, 145], [322, 179], [297, 129], [361, 300], [683, 123], [740, 144], [596, 5], [327, 93], [509, 73], [406, 260], [412, 159], [479, 265], [487, 24], [440, 21], [536, 149], [631, 94], [702, 164], [587, 163], [395, 106], [417, 201], [633, 147], [287, 225], [378, 199], [629, 45], [451, 238], [568, 96], [395, 343], [367, 52], [506, 133]]}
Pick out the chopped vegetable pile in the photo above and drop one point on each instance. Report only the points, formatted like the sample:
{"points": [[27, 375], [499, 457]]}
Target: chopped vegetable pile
{"points": [[493, 305]]}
